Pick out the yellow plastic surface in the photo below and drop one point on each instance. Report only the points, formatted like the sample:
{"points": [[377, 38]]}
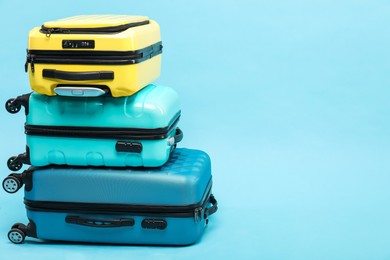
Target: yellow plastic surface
{"points": [[128, 79], [134, 38]]}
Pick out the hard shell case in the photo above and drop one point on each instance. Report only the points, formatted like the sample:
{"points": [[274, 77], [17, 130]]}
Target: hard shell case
{"points": [[138, 130], [118, 53], [169, 205]]}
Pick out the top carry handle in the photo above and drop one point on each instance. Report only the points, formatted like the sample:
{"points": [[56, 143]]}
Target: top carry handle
{"points": [[103, 30], [93, 24]]}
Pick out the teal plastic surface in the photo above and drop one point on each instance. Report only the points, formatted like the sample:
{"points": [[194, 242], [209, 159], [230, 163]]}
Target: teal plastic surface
{"points": [[96, 152], [152, 107]]}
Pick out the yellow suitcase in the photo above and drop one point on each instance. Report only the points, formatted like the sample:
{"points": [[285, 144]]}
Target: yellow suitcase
{"points": [[90, 55]]}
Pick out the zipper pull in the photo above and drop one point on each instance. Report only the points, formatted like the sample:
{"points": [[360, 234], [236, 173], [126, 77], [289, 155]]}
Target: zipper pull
{"points": [[27, 60], [26, 65], [198, 214], [32, 63], [49, 32], [56, 30]]}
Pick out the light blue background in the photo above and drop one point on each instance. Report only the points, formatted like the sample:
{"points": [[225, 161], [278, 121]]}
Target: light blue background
{"points": [[290, 99]]}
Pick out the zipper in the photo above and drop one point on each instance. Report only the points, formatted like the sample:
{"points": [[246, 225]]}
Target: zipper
{"points": [[67, 59], [91, 57], [192, 210], [100, 30], [30, 59], [102, 132], [49, 31]]}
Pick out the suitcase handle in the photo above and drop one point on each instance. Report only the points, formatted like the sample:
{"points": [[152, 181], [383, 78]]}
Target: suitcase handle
{"points": [[77, 76], [176, 138], [178, 135], [99, 223], [211, 210]]}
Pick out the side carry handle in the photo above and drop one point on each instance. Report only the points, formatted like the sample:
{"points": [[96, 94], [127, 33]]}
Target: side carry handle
{"points": [[211, 210], [78, 76], [178, 135], [99, 223], [177, 138]]}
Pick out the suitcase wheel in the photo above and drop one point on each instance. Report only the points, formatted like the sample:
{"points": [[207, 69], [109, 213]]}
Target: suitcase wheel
{"points": [[16, 235], [13, 164], [11, 107], [12, 184]]}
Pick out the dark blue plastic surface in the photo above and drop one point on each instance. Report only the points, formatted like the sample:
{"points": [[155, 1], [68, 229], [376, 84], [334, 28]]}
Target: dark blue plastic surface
{"points": [[181, 181]]}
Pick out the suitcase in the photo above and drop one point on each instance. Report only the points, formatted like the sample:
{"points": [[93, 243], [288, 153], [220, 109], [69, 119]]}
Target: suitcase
{"points": [[169, 205], [119, 54], [138, 130]]}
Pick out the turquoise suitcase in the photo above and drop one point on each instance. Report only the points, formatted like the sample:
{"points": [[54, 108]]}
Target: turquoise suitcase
{"points": [[169, 205], [137, 130]]}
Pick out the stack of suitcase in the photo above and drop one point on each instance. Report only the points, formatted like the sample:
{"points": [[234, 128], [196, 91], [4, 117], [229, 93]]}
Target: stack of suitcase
{"points": [[101, 139]]}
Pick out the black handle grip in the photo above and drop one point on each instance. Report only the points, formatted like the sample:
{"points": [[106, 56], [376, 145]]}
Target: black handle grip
{"points": [[128, 147], [78, 76], [178, 135], [213, 208], [99, 223]]}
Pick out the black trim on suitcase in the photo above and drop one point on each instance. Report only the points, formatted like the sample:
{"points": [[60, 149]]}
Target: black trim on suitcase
{"points": [[99, 30], [77, 76], [105, 208], [128, 147], [78, 44], [91, 57], [213, 208], [153, 223], [31, 229], [27, 180], [184, 211], [103, 132], [101, 223]]}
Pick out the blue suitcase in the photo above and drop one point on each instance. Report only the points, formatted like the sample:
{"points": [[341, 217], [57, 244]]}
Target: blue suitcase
{"points": [[169, 205], [137, 130]]}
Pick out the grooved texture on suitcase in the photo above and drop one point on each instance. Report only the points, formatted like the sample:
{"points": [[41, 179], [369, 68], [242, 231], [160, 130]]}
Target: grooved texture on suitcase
{"points": [[154, 107], [181, 181]]}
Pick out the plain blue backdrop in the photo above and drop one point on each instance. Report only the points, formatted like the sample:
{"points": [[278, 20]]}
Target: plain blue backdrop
{"points": [[289, 98]]}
